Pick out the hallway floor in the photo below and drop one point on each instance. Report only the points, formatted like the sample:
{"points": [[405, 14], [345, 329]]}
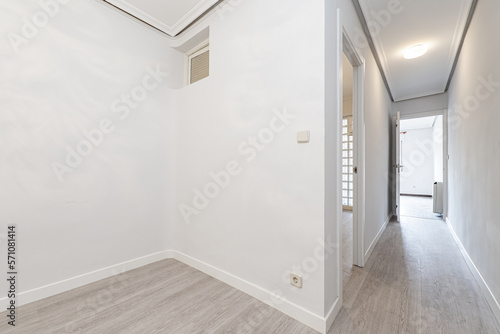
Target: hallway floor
{"points": [[418, 207], [416, 281]]}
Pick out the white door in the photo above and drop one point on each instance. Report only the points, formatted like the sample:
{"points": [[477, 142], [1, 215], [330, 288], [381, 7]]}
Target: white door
{"points": [[397, 166]]}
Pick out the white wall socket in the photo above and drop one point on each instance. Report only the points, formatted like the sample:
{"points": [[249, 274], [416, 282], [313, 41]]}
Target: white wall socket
{"points": [[296, 280]]}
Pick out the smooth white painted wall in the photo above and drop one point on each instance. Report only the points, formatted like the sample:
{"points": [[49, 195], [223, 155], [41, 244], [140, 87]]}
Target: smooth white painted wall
{"points": [[422, 104], [332, 160], [474, 145], [270, 217], [417, 176], [113, 207]]}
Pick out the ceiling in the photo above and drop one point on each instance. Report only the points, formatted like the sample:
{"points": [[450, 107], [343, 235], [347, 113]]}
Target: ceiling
{"points": [[418, 123], [169, 16], [395, 25], [438, 23]]}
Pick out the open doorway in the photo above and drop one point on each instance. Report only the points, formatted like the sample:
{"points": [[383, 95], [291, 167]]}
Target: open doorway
{"points": [[422, 167], [347, 167], [347, 55], [352, 157]]}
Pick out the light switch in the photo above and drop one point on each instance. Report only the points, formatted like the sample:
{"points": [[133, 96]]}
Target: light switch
{"points": [[303, 136]]}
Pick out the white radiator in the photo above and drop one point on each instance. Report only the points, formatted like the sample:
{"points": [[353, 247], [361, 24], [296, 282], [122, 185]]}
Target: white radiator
{"points": [[437, 197]]}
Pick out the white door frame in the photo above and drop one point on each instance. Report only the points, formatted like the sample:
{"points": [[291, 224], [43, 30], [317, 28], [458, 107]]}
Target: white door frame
{"points": [[397, 166], [444, 113], [358, 63]]}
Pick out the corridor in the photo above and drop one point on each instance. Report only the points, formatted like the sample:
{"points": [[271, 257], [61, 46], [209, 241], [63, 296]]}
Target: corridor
{"points": [[416, 281]]}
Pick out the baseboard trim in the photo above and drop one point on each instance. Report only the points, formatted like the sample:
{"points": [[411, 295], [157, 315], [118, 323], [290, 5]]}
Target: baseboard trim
{"points": [[53, 289], [494, 305], [281, 304], [370, 249], [332, 314]]}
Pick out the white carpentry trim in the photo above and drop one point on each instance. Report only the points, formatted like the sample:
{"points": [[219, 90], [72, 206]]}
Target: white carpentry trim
{"points": [[294, 311], [495, 306], [332, 314], [377, 237], [172, 30], [46, 291]]}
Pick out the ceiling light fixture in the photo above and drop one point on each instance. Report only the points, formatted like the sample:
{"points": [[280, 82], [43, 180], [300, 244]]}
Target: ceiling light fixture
{"points": [[415, 51]]}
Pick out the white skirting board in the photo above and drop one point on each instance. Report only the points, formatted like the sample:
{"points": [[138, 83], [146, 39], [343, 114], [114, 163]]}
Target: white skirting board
{"points": [[377, 237], [332, 314], [495, 306], [294, 311], [53, 289]]}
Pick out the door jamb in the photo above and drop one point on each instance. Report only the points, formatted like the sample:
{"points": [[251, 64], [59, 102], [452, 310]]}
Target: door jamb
{"points": [[358, 63]]}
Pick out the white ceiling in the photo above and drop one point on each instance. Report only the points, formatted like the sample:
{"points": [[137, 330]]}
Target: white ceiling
{"points": [[417, 123], [169, 16], [438, 23]]}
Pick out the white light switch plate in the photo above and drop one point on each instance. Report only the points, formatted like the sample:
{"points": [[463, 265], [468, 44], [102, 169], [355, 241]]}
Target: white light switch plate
{"points": [[303, 136]]}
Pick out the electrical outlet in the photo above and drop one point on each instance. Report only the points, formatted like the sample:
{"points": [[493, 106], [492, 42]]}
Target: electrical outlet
{"points": [[296, 280]]}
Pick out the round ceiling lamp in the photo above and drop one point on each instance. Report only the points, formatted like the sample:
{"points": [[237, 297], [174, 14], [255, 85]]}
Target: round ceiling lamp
{"points": [[415, 51]]}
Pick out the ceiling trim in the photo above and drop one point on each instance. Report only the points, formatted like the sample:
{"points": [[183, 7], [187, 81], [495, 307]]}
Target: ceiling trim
{"points": [[377, 42], [200, 17], [418, 96], [458, 34], [364, 25], [454, 46], [135, 18], [465, 19], [193, 15], [462, 41]]}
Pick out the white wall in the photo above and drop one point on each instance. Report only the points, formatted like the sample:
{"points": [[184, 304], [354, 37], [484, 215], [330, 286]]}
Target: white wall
{"points": [[270, 217], [112, 207], [378, 107], [474, 145], [278, 200], [422, 104], [417, 176], [122, 201]]}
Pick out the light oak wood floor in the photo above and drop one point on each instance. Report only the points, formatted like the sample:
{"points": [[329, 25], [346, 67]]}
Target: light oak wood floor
{"points": [[415, 282]]}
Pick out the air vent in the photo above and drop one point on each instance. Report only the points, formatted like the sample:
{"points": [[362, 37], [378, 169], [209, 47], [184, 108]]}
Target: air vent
{"points": [[199, 65]]}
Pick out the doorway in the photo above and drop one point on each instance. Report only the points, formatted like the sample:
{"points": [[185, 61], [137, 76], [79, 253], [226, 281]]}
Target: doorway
{"points": [[422, 168], [352, 156], [347, 167]]}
